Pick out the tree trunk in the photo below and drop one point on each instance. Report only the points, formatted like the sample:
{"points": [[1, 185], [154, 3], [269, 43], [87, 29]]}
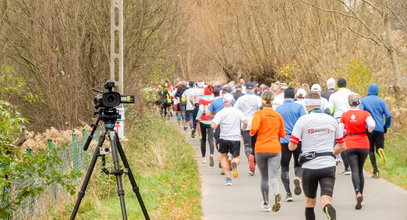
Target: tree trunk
{"points": [[392, 53]]}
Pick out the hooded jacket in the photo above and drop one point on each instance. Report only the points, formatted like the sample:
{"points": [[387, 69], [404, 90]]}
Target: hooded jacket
{"points": [[376, 107]]}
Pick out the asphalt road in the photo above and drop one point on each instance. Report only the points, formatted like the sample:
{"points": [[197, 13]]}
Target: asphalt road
{"points": [[242, 200]]}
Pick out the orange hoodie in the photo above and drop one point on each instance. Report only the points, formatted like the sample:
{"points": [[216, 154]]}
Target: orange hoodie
{"points": [[269, 126]]}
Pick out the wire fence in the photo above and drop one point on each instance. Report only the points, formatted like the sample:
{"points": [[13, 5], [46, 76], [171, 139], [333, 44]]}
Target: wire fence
{"points": [[73, 158]]}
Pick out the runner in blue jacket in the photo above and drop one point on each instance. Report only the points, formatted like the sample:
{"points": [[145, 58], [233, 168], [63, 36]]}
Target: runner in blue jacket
{"points": [[377, 108]]}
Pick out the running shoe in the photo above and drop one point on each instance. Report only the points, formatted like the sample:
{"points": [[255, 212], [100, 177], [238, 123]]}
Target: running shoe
{"points": [[235, 171], [359, 200], [193, 133], [289, 197], [203, 160], [228, 181], [297, 187], [211, 162], [330, 212], [382, 156], [376, 175], [337, 160], [276, 205], [346, 172], [266, 206], [252, 165], [251, 173]]}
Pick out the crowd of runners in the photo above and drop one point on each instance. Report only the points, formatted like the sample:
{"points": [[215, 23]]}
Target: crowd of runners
{"points": [[316, 128]]}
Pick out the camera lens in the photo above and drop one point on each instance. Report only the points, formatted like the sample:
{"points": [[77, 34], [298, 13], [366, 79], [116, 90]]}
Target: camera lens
{"points": [[111, 99]]}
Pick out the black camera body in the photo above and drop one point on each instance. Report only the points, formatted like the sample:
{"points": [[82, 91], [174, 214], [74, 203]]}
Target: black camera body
{"points": [[110, 99]]}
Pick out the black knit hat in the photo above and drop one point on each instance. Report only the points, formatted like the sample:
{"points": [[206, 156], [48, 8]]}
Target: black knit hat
{"points": [[289, 93], [341, 83]]}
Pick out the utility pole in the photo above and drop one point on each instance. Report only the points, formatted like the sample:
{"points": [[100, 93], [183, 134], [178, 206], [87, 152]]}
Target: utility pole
{"points": [[117, 43], [116, 55]]}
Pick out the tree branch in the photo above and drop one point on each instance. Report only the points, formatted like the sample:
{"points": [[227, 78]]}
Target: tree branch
{"points": [[328, 10]]}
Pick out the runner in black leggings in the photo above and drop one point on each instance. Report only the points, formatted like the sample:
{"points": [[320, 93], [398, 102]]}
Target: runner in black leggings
{"points": [[291, 112], [357, 143]]}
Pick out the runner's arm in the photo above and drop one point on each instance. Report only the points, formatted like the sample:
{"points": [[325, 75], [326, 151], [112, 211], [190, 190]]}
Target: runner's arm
{"points": [[371, 124], [255, 124], [340, 141], [200, 112], [209, 112], [216, 120], [245, 122], [296, 135], [387, 114], [339, 147]]}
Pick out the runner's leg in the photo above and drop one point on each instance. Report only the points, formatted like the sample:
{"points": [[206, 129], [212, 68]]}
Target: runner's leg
{"points": [[273, 163], [362, 158], [210, 139], [264, 173], [372, 151], [354, 159], [297, 166], [203, 140], [247, 141], [285, 164]]}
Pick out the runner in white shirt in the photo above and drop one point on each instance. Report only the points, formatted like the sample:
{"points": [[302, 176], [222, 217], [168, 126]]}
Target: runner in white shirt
{"points": [[249, 104], [324, 102], [338, 103], [279, 99], [317, 131], [299, 97], [188, 96], [229, 119], [196, 95]]}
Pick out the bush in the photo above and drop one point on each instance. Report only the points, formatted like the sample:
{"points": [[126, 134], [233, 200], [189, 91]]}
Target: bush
{"points": [[16, 166]]}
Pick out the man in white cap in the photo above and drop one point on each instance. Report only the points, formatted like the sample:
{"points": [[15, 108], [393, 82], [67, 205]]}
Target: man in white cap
{"points": [[299, 97], [316, 88], [229, 119], [330, 84], [249, 104]]}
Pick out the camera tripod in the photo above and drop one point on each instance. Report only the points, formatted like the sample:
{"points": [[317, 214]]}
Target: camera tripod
{"points": [[109, 116]]}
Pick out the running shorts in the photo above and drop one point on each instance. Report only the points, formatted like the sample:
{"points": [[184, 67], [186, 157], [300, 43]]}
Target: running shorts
{"points": [[226, 146], [325, 177], [189, 115]]}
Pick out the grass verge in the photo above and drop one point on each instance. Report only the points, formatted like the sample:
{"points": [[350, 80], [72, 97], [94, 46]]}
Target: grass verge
{"points": [[166, 173], [395, 170]]}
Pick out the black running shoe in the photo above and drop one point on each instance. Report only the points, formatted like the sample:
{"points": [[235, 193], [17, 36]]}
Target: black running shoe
{"points": [[359, 201], [330, 212], [376, 175]]}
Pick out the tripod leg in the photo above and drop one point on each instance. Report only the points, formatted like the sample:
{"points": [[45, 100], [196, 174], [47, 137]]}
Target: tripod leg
{"points": [[117, 172], [85, 183], [136, 189]]}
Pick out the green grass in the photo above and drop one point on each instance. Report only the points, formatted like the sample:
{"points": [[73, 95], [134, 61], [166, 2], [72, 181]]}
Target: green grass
{"points": [[395, 170], [166, 173]]}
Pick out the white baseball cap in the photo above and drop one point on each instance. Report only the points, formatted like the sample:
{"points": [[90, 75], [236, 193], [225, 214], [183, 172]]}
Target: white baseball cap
{"points": [[228, 98], [301, 91], [330, 83], [316, 88]]}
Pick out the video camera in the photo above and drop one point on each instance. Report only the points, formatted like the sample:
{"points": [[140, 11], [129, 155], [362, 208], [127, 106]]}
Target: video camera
{"points": [[110, 99]]}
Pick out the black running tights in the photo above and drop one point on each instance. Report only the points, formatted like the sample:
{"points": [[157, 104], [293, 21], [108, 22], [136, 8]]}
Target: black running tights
{"points": [[357, 159], [206, 129], [285, 164]]}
